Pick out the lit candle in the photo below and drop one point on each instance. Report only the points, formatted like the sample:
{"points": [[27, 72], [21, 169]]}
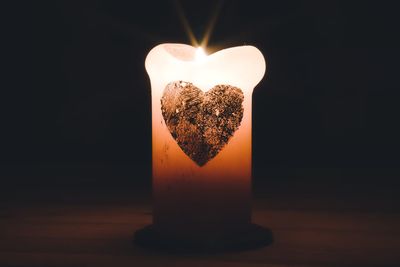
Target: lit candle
{"points": [[201, 138]]}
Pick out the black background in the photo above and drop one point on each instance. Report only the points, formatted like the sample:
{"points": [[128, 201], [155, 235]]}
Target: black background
{"points": [[77, 99]]}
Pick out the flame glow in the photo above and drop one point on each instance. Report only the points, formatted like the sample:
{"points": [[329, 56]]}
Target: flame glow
{"points": [[210, 24], [200, 55]]}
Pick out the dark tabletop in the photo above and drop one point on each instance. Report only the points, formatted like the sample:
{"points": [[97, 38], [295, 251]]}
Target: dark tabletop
{"points": [[315, 222]]}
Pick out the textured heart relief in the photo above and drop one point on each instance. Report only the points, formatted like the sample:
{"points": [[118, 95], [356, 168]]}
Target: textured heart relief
{"points": [[201, 123]]}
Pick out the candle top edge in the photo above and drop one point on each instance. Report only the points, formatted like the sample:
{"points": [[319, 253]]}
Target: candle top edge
{"points": [[186, 52], [178, 61]]}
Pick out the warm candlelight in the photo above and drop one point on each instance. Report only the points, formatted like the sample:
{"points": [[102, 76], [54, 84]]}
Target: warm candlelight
{"points": [[201, 138]]}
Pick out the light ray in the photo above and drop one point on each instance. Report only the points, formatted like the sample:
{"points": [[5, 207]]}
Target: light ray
{"points": [[185, 23], [211, 24]]}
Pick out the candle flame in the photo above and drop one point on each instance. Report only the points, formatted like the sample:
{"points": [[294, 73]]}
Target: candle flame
{"points": [[200, 55]]}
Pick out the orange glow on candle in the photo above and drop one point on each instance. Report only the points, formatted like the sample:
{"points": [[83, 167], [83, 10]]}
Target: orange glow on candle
{"points": [[199, 181]]}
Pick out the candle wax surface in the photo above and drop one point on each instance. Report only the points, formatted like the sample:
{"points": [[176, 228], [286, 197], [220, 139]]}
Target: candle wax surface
{"points": [[201, 135]]}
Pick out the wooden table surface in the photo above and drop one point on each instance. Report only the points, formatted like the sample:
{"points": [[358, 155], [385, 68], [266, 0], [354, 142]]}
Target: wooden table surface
{"points": [[66, 227]]}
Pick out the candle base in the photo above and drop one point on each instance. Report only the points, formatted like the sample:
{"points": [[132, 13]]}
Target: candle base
{"points": [[253, 237]]}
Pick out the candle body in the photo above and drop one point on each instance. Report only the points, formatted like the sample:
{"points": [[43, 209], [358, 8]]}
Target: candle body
{"points": [[196, 198]]}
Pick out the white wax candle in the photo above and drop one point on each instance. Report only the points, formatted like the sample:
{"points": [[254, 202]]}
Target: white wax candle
{"points": [[201, 143]]}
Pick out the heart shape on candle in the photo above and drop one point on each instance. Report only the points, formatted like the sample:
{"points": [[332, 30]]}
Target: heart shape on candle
{"points": [[201, 122]]}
